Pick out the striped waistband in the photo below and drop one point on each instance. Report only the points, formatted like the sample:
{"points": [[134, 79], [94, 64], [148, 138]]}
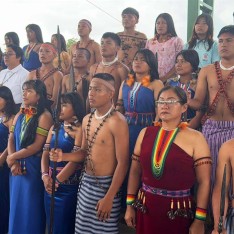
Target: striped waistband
{"points": [[166, 193]]}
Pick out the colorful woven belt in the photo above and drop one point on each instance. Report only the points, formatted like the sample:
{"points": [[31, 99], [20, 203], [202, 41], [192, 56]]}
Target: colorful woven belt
{"points": [[166, 193]]}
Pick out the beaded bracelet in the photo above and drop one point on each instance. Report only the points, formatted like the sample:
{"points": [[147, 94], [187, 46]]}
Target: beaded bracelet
{"points": [[59, 182], [46, 147], [44, 174], [76, 148], [130, 199], [200, 214]]}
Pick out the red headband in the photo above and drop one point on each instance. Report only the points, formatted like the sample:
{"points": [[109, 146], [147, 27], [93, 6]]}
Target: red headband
{"points": [[50, 47]]}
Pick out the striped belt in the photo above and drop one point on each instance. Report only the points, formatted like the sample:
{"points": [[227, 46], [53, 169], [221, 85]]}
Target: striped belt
{"points": [[166, 193]]}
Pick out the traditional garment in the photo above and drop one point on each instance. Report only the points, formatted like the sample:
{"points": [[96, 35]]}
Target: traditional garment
{"points": [[4, 183], [206, 56], [171, 185], [27, 213], [130, 44], [139, 109], [216, 133], [66, 195], [166, 53], [229, 223], [32, 62], [187, 87], [86, 214]]}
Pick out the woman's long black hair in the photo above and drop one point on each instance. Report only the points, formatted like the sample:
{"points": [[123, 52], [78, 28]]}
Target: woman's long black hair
{"points": [[9, 109], [151, 60], [43, 104], [76, 101]]}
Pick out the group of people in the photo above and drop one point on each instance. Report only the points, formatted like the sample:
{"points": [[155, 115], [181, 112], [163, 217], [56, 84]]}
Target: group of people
{"points": [[135, 126]]}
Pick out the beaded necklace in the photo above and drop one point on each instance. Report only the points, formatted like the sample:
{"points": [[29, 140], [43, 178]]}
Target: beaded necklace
{"points": [[91, 141], [162, 145], [47, 75], [222, 90], [78, 44], [28, 50]]}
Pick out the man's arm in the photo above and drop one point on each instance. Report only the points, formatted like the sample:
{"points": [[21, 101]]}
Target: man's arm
{"points": [[201, 90], [120, 134], [223, 158]]}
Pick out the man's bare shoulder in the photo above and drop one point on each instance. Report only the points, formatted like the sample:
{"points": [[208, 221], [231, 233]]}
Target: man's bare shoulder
{"points": [[117, 119], [95, 44], [122, 66], [228, 146], [207, 69], [85, 120]]}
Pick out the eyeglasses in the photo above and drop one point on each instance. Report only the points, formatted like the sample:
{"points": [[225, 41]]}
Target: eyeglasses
{"points": [[167, 102], [8, 54]]}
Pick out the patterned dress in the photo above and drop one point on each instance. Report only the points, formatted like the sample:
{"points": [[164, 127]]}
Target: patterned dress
{"points": [[4, 183], [66, 195]]}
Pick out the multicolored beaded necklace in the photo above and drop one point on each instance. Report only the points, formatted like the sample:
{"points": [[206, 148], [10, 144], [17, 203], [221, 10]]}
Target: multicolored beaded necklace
{"points": [[162, 145]]}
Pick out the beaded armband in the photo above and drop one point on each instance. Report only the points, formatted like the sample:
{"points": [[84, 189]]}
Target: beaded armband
{"points": [[135, 157], [42, 131], [75, 148], [202, 161], [46, 147], [200, 214], [130, 199], [12, 129]]}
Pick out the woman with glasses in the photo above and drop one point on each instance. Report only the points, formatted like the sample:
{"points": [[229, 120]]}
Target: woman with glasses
{"points": [[10, 38], [167, 160], [15, 75]]}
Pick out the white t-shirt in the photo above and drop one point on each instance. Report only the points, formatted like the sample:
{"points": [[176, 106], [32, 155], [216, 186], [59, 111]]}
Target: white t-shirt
{"points": [[14, 79]]}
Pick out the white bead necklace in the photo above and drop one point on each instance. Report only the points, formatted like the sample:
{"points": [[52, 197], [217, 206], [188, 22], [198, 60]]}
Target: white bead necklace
{"points": [[225, 68], [108, 64], [103, 116]]}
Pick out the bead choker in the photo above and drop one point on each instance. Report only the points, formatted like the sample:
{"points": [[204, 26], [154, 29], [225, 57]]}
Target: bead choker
{"points": [[225, 68], [108, 64], [103, 116]]}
